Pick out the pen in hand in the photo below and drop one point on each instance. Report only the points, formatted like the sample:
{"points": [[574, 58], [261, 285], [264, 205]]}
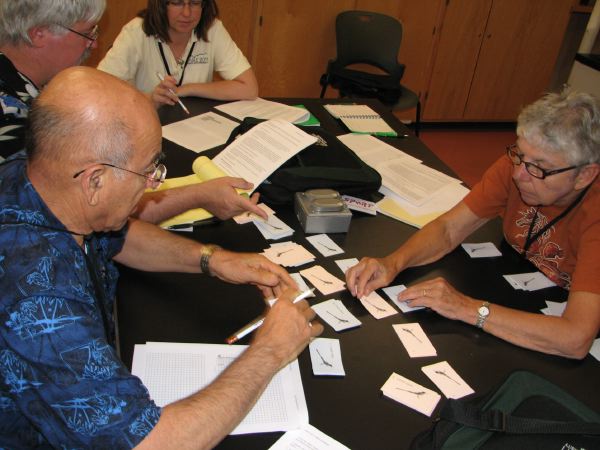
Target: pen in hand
{"points": [[256, 323], [161, 78]]}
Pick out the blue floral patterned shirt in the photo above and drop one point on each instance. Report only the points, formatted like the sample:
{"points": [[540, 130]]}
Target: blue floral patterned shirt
{"points": [[62, 384]]}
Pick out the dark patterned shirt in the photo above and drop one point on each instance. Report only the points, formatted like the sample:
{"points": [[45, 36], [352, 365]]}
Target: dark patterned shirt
{"points": [[16, 93], [61, 382]]}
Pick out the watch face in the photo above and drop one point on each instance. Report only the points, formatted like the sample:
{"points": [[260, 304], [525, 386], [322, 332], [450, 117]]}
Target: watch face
{"points": [[483, 311]]}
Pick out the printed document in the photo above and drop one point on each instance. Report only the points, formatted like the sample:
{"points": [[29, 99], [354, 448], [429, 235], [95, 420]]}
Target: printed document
{"points": [[264, 109], [200, 133], [258, 153], [172, 371]]}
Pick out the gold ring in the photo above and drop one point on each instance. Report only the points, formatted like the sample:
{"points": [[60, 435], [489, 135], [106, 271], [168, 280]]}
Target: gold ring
{"points": [[424, 292]]}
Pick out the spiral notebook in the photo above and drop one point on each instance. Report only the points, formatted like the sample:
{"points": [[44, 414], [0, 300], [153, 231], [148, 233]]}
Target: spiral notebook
{"points": [[361, 119]]}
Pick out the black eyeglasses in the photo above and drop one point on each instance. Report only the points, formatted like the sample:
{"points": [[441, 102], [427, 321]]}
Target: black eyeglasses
{"points": [[156, 176], [532, 169], [92, 36]]}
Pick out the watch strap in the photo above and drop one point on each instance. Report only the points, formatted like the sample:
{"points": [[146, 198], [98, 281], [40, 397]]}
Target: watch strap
{"points": [[206, 253], [482, 318]]}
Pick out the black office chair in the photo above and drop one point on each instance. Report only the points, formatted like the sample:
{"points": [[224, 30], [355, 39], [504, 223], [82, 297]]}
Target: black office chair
{"points": [[364, 37]]}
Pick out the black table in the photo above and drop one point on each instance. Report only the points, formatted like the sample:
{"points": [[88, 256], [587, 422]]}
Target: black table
{"points": [[191, 308]]}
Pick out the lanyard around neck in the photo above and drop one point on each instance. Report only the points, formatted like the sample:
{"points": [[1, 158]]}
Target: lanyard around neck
{"points": [[532, 238], [166, 64]]}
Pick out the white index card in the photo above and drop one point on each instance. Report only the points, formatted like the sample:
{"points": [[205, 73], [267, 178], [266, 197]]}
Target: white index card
{"points": [[302, 286], [324, 244], [554, 308], [247, 216], [323, 280], [531, 281], [345, 264], [595, 350], [273, 228], [415, 340], [377, 306], [335, 314], [326, 357], [411, 394], [393, 291], [481, 250], [447, 380]]}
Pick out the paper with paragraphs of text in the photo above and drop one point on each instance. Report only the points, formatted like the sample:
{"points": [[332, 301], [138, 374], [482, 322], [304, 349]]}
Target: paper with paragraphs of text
{"points": [[172, 371]]}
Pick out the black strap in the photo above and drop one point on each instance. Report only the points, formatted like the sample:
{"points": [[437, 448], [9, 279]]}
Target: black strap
{"points": [[495, 420], [531, 239], [99, 299], [166, 64]]}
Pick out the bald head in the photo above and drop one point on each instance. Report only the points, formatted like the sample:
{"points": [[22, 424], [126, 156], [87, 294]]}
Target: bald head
{"points": [[84, 115]]}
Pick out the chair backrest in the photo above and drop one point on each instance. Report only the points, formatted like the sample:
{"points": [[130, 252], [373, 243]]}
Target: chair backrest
{"points": [[368, 37]]}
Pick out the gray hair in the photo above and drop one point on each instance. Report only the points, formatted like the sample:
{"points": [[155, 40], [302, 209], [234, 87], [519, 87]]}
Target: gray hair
{"points": [[17, 17], [566, 123], [65, 136]]}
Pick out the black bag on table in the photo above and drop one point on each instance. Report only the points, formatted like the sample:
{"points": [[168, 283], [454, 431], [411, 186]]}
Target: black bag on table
{"points": [[525, 412], [328, 163]]}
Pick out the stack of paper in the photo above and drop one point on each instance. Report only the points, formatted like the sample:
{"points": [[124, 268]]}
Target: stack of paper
{"points": [[288, 254], [172, 371], [264, 109], [253, 156], [414, 193]]}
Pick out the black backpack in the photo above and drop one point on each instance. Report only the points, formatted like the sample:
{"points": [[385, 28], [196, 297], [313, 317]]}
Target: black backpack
{"points": [[525, 412], [328, 163]]}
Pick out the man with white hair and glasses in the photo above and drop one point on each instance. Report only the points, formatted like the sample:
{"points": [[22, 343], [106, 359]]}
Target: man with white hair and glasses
{"points": [[547, 191], [38, 39]]}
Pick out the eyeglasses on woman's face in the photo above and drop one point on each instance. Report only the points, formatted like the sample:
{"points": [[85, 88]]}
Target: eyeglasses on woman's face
{"points": [[179, 4], [516, 157]]}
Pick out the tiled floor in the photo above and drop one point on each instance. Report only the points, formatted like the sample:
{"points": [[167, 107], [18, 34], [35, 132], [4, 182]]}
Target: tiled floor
{"points": [[468, 151]]}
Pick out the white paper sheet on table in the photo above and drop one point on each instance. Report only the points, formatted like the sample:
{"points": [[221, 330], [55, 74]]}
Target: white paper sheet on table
{"points": [[481, 250], [326, 357], [447, 380], [264, 109], [324, 244], [345, 264], [415, 340], [325, 282], [307, 438], [289, 254], [172, 371], [200, 133], [531, 281], [336, 315], [377, 306], [259, 152], [393, 291], [554, 308], [411, 394]]}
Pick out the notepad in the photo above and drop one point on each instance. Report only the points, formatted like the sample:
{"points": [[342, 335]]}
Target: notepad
{"points": [[361, 119]]}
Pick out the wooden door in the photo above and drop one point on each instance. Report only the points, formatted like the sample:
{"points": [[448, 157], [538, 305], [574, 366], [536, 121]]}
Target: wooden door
{"points": [[456, 56], [295, 39], [239, 17], [517, 58]]}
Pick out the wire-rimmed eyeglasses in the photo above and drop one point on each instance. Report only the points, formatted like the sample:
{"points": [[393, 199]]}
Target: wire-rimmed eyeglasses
{"points": [[92, 36], [532, 169], [181, 3], [155, 176]]}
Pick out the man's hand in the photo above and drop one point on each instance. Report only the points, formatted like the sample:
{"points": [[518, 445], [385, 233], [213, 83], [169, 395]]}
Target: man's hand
{"points": [[369, 274], [219, 196], [287, 328], [251, 268]]}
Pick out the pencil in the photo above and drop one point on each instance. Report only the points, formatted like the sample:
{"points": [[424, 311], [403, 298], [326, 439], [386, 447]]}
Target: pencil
{"points": [[256, 323]]}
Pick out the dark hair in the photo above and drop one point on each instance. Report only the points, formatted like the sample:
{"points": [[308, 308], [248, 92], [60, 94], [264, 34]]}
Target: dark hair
{"points": [[156, 22]]}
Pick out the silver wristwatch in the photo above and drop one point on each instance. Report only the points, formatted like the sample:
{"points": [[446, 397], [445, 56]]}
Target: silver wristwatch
{"points": [[482, 314], [206, 253]]}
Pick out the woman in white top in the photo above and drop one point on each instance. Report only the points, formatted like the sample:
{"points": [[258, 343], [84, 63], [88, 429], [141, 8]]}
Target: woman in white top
{"points": [[186, 43]]}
